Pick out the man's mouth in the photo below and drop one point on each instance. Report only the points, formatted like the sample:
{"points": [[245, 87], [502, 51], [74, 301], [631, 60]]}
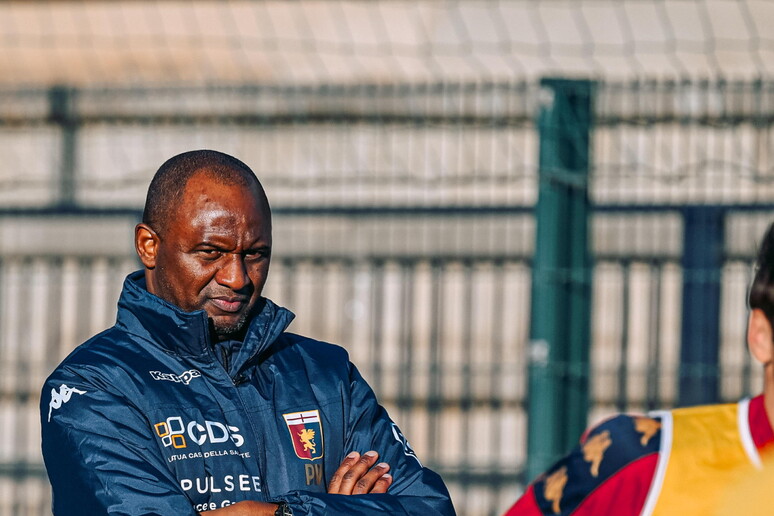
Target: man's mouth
{"points": [[228, 304]]}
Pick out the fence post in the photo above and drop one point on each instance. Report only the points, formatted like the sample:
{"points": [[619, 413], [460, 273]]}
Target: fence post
{"points": [[61, 113], [703, 243], [561, 275]]}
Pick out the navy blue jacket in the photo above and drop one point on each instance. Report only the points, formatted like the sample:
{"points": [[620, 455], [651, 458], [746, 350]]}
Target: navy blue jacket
{"points": [[144, 419]]}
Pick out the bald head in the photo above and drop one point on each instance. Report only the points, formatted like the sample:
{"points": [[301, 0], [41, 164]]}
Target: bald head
{"points": [[168, 185], [205, 239]]}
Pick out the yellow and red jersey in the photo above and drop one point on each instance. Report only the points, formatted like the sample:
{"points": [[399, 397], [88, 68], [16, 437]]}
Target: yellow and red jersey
{"points": [[667, 463]]}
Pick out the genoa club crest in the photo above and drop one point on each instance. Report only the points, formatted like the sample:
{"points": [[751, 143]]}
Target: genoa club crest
{"points": [[306, 433]]}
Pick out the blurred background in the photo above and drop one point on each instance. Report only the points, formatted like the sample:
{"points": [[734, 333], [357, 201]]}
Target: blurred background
{"points": [[517, 216]]}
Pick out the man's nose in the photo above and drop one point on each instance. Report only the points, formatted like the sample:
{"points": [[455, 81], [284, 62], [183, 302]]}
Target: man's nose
{"points": [[233, 274]]}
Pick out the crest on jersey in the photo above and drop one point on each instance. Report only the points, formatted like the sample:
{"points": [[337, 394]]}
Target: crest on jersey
{"points": [[306, 433]]}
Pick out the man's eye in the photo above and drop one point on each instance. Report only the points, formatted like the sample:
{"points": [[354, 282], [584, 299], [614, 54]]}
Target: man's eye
{"points": [[209, 254], [256, 255]]}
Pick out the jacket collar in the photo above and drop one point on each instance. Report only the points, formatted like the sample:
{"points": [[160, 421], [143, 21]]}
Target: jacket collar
{"points": [[187, 333]]}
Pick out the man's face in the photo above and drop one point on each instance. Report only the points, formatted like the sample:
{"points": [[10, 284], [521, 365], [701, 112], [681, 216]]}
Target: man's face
{"points": [[213, 254]]}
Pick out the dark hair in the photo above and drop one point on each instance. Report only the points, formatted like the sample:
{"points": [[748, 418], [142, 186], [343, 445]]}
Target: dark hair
{"points": [[762, 288], [168, 184]]}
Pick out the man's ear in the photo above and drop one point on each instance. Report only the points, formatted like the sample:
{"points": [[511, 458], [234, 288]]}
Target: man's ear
{"points": [[760, 339], [146, 243]]}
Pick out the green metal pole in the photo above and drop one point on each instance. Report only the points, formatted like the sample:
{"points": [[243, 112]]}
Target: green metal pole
{"points": [[561, 275], [61, 100]]}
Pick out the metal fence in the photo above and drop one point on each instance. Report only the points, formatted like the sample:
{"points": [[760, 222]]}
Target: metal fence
{"points": [[404, 231]]}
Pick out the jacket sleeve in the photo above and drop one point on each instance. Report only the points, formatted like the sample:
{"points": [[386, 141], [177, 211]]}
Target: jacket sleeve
{"points": [[98, 455], [609, 472], [415, 489]]}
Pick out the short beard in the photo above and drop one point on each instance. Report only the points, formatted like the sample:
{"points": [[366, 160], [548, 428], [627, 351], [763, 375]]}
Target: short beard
{"points": [[237, 330], [232, 331]]}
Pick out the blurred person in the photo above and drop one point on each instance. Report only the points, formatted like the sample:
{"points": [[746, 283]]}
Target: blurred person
{"points": [[676, 462], [750, 496], [198, 399]]}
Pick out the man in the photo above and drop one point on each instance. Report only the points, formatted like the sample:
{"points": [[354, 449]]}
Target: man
{"points": [[678, 462], [199, 400]]}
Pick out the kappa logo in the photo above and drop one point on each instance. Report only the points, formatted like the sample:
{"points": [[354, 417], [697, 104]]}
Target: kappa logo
{"points": [[306, 434], [173, 432], [61, 397], [184, 378]]}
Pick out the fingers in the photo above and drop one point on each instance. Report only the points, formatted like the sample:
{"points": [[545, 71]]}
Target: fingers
{"points": [[358, 475], [334, 486], [356, 472], [367, 482], [384, 483]]}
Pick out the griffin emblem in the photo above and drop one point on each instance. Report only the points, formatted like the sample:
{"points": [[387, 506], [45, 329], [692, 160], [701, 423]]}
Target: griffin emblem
{"points": [[307, 437]]}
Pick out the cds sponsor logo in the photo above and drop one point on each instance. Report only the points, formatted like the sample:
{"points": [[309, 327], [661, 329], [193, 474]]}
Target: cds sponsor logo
{"points": [[176, 433], [184, 378]]}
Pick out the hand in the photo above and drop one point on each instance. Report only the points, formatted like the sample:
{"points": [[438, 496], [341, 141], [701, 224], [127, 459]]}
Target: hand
{"points": [[358, 475]]}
